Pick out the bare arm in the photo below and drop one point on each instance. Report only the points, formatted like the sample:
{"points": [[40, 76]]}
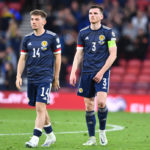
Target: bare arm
{"points": [[57, 65], [112, 57], [77, 60], [20, 68]]}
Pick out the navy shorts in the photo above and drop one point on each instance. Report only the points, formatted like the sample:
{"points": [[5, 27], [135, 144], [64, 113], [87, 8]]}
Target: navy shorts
{"points": [[38, 92], [88, 87]]}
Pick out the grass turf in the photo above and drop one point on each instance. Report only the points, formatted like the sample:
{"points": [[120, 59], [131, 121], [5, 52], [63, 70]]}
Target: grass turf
{"points": [[135, 136]]}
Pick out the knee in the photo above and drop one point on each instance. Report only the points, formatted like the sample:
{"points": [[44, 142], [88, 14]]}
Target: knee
{"points": [[40, 109], [101, 104], [101, 99], [89, 106]]}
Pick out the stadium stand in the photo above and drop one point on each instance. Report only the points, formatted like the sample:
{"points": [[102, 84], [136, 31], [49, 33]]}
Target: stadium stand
{"points": [[129, 74]]}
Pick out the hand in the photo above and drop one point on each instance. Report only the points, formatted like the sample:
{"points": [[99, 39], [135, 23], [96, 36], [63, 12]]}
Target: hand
{"points": [[55, 85], [73, 79], [98, 77], [19, 83]]}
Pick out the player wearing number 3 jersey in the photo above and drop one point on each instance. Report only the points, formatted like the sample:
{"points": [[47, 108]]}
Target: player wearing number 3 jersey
{"points": [[41, 51], [96, 48]]}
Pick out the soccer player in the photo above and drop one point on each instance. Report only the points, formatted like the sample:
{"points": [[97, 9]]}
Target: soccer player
{"points": [[96, 48], [41, 51]]}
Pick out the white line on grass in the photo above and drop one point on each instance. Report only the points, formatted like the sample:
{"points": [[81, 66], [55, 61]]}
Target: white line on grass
{"points": [[114, 128]]}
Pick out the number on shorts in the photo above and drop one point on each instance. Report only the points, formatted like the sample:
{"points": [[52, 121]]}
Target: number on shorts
{"points": [[45, 93], [104, 83]]}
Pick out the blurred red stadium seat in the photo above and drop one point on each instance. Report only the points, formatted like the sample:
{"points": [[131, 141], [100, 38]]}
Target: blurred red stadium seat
{"points": [[144, 78], [113, 91], [129, 78], [146, 63], [145, 71], [125, 91], [134, 63], [133, 70], [15, 5], [115, 78], [122, 62], [117, 70], [140, 91]]}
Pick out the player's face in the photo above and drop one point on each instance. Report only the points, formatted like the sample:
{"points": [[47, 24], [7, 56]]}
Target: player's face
{"points": [[95, 15], [37, 22]]}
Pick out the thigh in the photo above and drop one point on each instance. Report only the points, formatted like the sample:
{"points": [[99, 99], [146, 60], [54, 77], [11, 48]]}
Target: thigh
{"points": [[43, 93], [86, 86], [31, 93], [103, 86]]}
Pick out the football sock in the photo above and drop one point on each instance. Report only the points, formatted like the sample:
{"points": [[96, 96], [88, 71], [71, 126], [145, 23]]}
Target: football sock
{"points": [[91, 122], [48, 128], [102, 116], [37, 132]]}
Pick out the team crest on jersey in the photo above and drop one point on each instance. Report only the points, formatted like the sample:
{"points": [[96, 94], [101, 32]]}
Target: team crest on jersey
{"points": [[101, 39], [44, 45], [80, 90]]}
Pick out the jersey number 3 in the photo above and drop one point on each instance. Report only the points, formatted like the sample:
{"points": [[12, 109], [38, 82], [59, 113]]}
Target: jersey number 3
{"points": [[93, 46]]}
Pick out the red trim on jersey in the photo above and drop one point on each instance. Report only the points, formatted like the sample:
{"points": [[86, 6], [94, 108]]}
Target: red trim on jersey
{"points": [[25, 51], [59, 49], [79, 45]]}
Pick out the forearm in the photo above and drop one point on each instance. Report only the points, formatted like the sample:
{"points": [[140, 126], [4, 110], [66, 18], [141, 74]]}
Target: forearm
{"points": [[76, 63], [20, 67], [57, 66], [110, 60], [108, 64]]}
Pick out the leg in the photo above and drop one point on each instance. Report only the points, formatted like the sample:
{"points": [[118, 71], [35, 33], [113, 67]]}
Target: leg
{"points": [[39, 123], [90, 120], [40, 118], [102, 115], [50, 137]]}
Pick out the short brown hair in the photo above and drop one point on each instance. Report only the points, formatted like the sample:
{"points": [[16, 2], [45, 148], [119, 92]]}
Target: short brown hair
{"points": [[96, 6], [38, 12]]}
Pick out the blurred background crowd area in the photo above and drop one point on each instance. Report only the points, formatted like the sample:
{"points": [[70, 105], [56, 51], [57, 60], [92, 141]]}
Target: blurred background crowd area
{"points": [[129, 19]]}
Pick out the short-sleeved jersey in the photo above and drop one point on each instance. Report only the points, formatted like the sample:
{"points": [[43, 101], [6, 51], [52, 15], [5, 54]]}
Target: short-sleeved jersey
{"points": [[94, 44], [40, 52]]}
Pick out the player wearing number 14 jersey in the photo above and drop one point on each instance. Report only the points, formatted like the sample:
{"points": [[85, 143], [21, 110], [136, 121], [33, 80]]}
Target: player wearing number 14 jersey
{"points": [[41, 51], [96, 48]]}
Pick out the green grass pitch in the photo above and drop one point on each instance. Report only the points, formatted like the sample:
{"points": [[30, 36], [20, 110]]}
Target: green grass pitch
{"points": [[20, 123]]}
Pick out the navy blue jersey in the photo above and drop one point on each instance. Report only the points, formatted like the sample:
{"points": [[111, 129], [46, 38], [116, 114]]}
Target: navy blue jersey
{"points": [[40, 52], [94, 44]]}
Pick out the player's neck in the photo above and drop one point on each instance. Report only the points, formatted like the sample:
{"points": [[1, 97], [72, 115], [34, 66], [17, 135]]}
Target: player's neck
{"points": [[95, 26], [39, 32]]}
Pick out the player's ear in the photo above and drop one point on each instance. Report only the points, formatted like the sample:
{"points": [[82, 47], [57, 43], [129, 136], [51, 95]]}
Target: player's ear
{"points": [[102, 16], [44, 22]]}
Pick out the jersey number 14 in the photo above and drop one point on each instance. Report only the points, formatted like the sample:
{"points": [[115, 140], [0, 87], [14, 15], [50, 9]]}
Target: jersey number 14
{"points": [[36, 53]]}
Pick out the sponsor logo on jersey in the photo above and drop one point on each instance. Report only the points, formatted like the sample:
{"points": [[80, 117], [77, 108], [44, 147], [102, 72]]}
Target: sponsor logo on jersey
{"points": [[87, 38], [29, 44], [101, 39], [44, 45], [80, 90]]}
